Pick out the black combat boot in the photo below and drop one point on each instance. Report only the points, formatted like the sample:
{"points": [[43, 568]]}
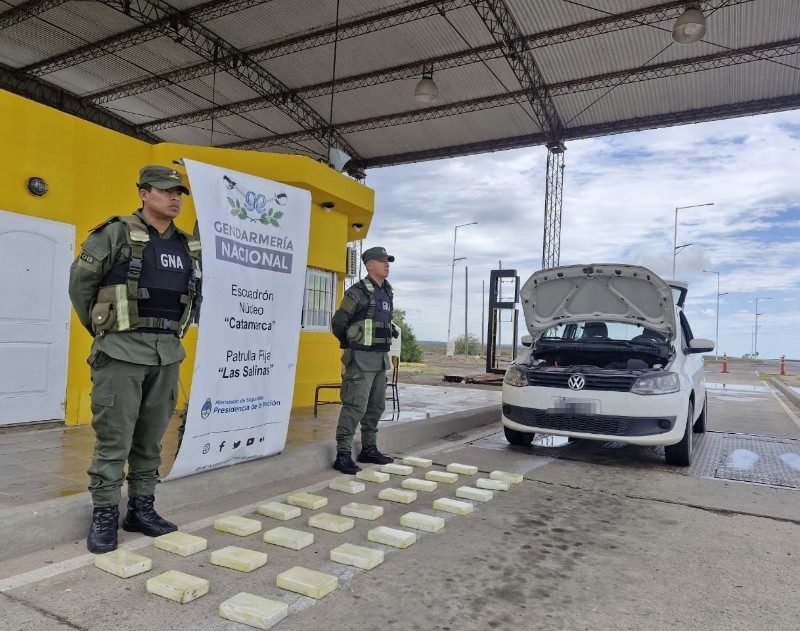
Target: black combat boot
{"points": [[103, 531], [344, 463], [142, 517], [371, 454]]}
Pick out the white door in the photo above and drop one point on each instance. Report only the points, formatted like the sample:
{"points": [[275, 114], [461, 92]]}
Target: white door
{"points": [[35, 255]]}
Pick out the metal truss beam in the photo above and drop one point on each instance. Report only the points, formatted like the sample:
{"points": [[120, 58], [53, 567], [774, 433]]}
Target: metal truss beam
{"points": [[174, 21], [238, 64], [699, 115], [311, 39], [504, 31], [553, 197], [659, 71], [763, 52], [27, 10], [62, 100], [454, 60], [405, 14]]}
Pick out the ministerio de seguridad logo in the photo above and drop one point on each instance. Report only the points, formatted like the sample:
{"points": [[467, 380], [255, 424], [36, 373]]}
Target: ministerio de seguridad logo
{"points": [[253, 205]]}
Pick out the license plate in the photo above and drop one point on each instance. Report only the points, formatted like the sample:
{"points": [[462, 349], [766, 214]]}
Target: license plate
{"points": [[560, 405]]}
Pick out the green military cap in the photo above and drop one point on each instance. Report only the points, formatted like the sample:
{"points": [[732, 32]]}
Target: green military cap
{"points": [[162, 177], [376, 254]]}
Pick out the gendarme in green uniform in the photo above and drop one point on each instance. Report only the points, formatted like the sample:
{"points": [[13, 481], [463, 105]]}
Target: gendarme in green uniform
{"points": [[134, 287], [363, 326]]}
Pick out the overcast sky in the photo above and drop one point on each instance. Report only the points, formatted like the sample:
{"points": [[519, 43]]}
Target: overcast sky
{"points": [[620, 194]]}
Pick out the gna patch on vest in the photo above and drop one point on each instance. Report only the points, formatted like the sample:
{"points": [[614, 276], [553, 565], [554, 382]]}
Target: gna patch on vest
{"points": [[170, 262]]}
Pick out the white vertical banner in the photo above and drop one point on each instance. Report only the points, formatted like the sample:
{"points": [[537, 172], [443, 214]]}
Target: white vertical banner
{"points": [[254, 234]]}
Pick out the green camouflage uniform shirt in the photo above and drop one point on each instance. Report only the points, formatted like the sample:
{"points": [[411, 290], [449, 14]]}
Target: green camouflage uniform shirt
{"points": [[356, 300], [99, 253]]}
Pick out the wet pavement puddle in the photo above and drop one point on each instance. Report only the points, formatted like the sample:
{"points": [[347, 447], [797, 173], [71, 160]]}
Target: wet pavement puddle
{"points": [[738, 387], [736, 457]]}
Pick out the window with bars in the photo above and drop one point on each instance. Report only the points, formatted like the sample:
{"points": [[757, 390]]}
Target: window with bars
{"points": [[318, 300]]}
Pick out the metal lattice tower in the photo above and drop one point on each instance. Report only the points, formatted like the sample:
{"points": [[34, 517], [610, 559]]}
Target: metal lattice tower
{"points": [[554, 184]]}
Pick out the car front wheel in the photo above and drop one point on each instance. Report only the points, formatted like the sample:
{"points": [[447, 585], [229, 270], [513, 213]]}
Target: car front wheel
{"points": [[680, 454], [520, 439]]}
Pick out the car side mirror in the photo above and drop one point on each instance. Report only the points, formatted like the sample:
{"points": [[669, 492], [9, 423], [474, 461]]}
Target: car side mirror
{"points": [[700, 345], [526, 340]]}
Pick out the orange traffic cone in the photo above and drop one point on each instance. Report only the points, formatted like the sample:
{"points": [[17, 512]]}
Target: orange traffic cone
{"points": [[783, 365], [724, 363]]}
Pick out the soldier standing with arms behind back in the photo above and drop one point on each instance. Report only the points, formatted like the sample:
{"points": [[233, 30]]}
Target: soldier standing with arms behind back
{"points": [[135, 287], [363, 326]]}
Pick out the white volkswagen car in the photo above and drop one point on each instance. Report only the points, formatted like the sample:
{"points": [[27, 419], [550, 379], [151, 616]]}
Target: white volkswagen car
{"points": [[611, 358]]}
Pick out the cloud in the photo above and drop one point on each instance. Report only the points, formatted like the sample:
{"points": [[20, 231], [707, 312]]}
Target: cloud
{"points": [[620, 195]]}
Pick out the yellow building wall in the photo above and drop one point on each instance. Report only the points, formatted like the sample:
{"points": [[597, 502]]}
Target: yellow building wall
{"points": [[91, 174]]}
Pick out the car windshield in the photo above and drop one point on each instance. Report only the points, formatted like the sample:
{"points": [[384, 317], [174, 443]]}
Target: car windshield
{"points": [[603, 331]]}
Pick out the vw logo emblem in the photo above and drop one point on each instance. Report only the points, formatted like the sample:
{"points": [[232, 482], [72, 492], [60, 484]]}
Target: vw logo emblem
{"points": [[576, 382]]}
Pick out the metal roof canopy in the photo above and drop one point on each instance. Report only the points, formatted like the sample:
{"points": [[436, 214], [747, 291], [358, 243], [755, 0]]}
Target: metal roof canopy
{"points": [[305, 76]]}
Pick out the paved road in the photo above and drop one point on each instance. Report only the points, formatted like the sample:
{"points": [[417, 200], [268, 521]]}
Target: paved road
{"points": [[595, 537]]}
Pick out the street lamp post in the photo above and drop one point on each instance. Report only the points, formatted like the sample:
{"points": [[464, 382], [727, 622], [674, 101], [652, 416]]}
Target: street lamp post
{"points": [[719, 295], [755, 330], [450, 348], [675, 246]]}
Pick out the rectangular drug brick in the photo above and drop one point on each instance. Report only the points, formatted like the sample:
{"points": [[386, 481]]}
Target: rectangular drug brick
{"points": [[456, 507], [392, 537], [357, 556], [413, 461], [441, 476], [180, 543], [402, 496], [278, 510], [463, 469], [397, 469], [331, 523], [505, 476], [307, 582], [471, 493], [123, 563], [492, 485], [289, 538], [419, 521], [347, 485], [254, 611], [361, 511], [416, 484], [307, 500], [235, 525], [373, 475], [177, 586], [239, 559]]}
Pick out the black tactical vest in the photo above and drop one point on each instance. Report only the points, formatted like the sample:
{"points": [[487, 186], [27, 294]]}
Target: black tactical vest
{"points": [[372, 325], [166, 270]]}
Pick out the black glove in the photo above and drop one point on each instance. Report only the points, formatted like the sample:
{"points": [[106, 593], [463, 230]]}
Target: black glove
{"points": [[395, 331]]}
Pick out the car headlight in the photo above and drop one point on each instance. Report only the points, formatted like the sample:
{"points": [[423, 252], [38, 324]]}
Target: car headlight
{"points": [[663, 383], [516, 376]]}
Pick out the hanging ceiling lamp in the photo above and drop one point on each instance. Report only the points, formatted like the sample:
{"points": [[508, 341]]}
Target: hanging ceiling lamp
{"points": [[690, 26], [426, 90]]}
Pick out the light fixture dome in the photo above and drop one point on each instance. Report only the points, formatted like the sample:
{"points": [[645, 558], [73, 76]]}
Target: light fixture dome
{"points": [[426, 90], [690, 26]]}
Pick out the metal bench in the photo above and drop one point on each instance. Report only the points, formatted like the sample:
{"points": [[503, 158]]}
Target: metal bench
{"points": [[392, 393], [323, 386]]}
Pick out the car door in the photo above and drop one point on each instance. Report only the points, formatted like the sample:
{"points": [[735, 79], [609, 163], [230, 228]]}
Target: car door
{"points": [[693, 365]]}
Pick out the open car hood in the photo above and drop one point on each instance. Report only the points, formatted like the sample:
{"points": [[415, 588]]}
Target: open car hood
{"points": [[585, 293]]}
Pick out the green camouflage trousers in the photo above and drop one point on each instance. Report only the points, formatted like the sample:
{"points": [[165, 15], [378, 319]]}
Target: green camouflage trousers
{"points": [[131, 408], [363, 397]]}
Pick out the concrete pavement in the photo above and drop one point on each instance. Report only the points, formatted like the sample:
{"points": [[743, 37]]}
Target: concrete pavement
{"points": [[597, 536]]}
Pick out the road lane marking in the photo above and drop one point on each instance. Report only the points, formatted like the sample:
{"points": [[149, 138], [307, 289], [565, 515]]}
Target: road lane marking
{"points": [[786, 409]]}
